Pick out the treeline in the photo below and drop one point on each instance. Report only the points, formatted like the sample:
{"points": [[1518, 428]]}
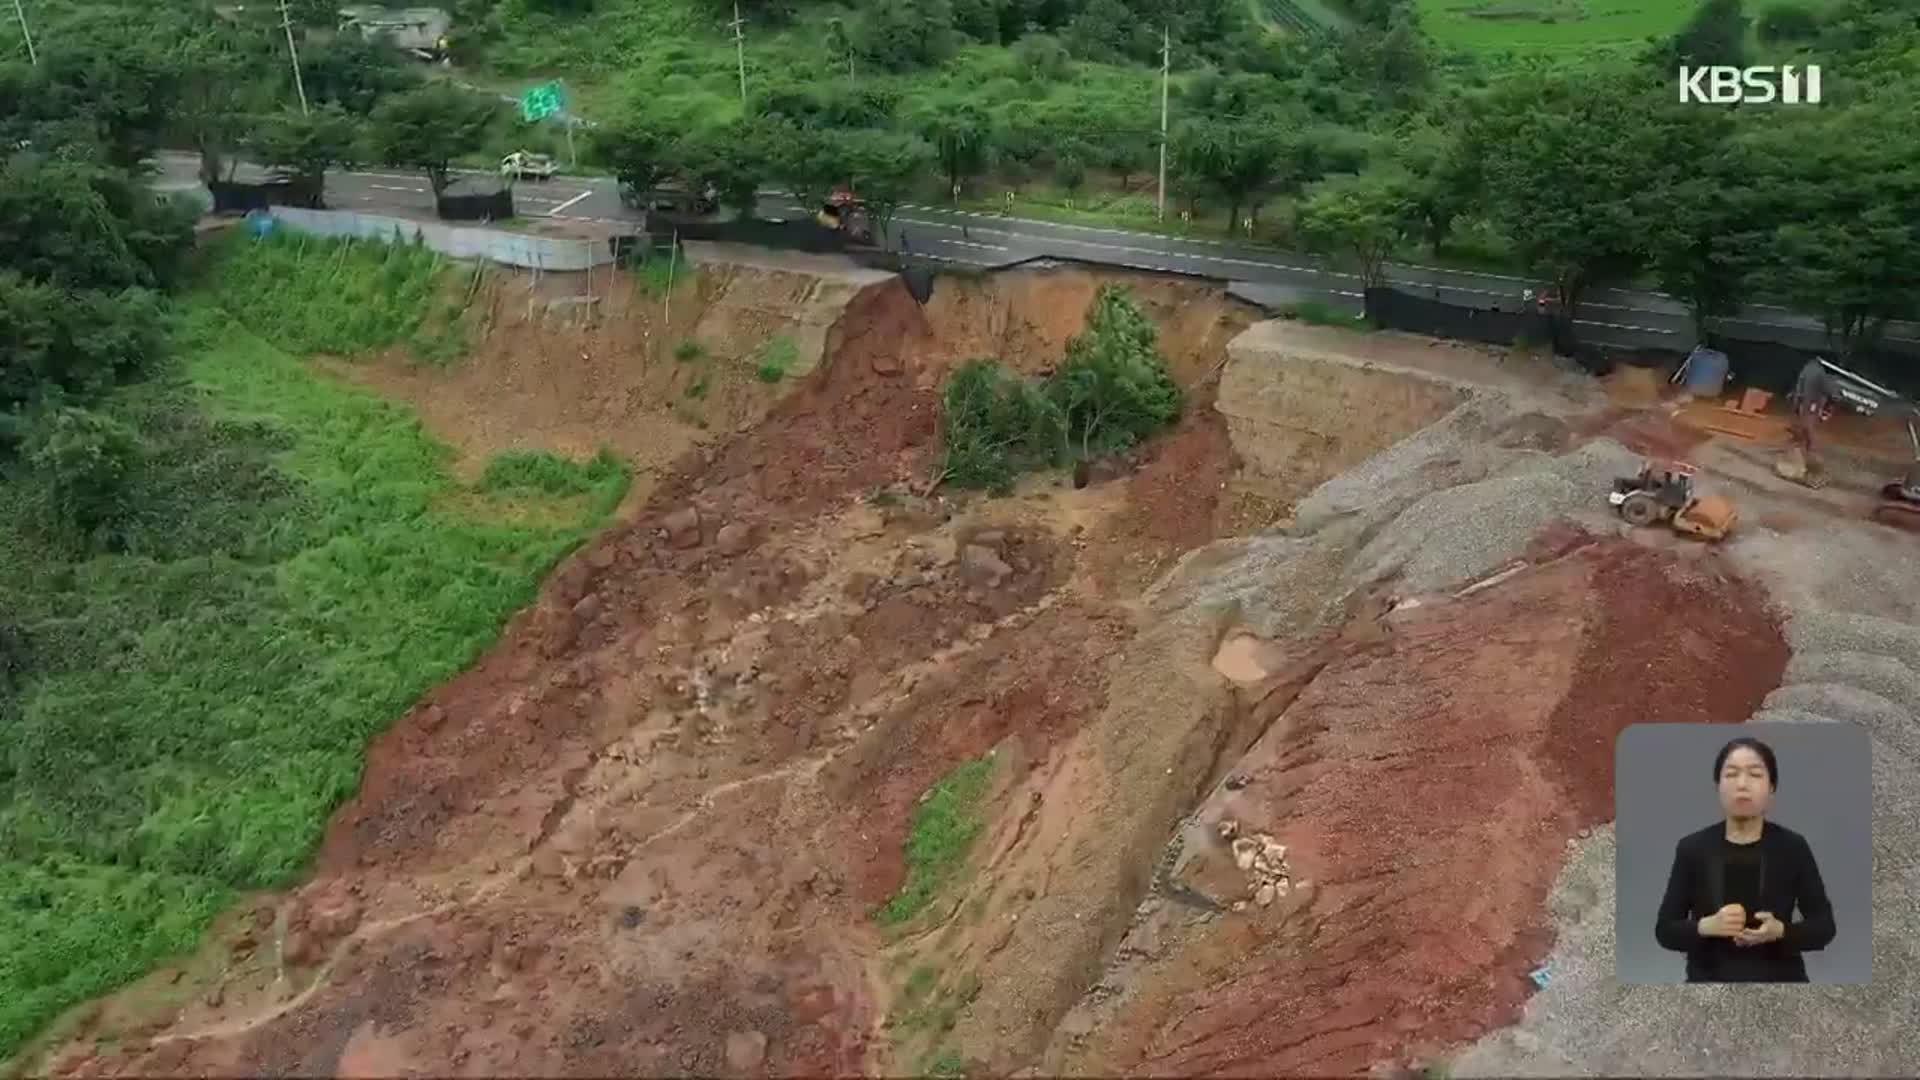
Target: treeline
{"points": [[1588, 174]]}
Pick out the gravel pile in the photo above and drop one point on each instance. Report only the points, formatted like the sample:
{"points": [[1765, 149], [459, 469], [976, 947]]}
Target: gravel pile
{"points": [[1456, 535], [1856, 647], [1453, 450]]}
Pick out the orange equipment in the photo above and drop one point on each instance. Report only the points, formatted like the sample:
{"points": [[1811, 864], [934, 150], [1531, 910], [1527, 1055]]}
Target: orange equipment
{"points": [[1664, 491]]}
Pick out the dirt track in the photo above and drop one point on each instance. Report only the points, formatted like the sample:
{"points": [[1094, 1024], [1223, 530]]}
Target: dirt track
{"points": [[646, 832]]}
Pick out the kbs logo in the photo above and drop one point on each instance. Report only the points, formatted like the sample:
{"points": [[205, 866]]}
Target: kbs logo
{"points": [[1786, 84]]}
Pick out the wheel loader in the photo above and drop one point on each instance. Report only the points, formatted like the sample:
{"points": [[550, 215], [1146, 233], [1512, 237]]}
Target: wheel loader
{"points": [[1663, 491]]}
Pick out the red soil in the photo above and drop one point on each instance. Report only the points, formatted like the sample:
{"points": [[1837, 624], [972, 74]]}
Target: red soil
{"points": [[645, 832], [1427, 787]]}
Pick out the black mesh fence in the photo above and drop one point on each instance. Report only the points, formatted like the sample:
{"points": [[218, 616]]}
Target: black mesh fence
{"points": [[787, 235], [1395, 310], [233, 198], [1767, 365], [476, 206], [1770, 365]]}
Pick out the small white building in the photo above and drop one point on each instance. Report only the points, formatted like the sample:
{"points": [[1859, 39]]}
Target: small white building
{"points": [[418, 30]]}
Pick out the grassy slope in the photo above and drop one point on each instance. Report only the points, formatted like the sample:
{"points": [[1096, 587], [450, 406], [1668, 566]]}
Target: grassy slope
{"points": [[941, 833], [306, 567]]}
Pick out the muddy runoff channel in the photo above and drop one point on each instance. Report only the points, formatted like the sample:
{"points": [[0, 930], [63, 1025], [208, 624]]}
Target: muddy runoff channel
{"points": [[1278, 772]]}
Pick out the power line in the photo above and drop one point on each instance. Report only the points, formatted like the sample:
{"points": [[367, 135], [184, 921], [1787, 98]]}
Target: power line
{"points": [[293, 54], [26, 34]]}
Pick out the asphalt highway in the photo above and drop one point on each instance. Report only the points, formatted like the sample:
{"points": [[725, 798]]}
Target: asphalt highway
{"points": [[1609, 316]]}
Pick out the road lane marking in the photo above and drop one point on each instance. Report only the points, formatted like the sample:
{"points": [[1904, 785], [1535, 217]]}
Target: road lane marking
{"points": [[568, 203], [390, 187]]}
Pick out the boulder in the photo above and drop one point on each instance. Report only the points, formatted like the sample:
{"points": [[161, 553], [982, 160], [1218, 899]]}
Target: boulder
{"points": [[979, 566], [683, 527], [746, 1050], [734, 538]]}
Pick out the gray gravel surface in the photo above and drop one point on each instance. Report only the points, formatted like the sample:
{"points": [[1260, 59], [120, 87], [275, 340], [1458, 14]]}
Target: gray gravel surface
{"points": [[1447, 506], [1851, 602]]}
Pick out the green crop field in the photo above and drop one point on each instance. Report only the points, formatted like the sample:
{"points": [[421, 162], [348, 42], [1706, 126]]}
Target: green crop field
{"points": [[1550, 24]]}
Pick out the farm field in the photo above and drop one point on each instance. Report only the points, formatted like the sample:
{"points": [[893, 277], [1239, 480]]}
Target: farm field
{"points": [[1492, 25]]}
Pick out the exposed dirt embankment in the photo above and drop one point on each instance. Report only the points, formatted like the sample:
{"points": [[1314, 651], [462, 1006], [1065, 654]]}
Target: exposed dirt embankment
{"points": [[1423, 788], [570, 364], [646, 832], [1299, 411]]}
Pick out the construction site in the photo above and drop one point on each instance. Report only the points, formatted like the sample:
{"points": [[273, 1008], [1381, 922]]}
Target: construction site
{"points": [[1292, 728]]}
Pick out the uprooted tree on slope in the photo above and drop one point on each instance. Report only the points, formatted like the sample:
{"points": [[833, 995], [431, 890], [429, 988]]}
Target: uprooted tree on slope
{"points": [[1112, 391]]}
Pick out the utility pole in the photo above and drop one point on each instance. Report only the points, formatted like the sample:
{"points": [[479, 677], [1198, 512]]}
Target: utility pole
{"points": [[740, 50], [293, 54], [1166, 75], [25, 33]]}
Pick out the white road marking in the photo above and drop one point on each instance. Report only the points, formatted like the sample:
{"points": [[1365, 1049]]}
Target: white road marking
{"points": [[568, 203], [390, 187]]}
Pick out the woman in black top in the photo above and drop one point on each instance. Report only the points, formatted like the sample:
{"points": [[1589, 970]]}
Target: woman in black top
{"points": [[1734, 885]]}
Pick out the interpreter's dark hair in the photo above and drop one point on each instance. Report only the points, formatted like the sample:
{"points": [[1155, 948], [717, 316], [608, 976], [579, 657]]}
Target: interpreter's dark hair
{"points": [[1758, 747]]}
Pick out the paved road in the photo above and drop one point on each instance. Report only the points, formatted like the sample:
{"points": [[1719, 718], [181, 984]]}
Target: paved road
{"points": [[1610, 316]]}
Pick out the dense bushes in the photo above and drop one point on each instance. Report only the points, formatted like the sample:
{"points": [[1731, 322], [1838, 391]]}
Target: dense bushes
{"points": [[1110, 392], [291, 564]]}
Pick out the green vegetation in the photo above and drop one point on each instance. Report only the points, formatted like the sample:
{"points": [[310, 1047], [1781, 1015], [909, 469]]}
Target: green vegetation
{"points": [[1554, 25], [311, 294], [942, 830], [1110, 392], [946, 1062], [686, 352], [223, 573], [1320, 313], [286, 578], [776, 359]]}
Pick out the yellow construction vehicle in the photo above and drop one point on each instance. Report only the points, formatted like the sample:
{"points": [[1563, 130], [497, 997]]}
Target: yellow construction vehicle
{"points": [[1664, 491]]}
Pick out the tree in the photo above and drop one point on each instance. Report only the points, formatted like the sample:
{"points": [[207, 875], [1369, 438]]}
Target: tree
{"points": [[1113, 388], [355, 73], [428, 128], [1444, 179], [1717, 34], [737, 158], [77, 225], [1561, 152], [840, 49], [57, 344], [883, 169], [635, 149], [110, 91], [1839, 195], [1363, 219], [1106, 32], [1041, 58], [216, 89], [901, 35], [1235, 159], [307, 144], [79, 462], [1788, 20], [1700, 217], [960, 133]]}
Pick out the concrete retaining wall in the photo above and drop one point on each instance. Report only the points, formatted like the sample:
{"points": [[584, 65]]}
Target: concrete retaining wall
{"points": [[507, 248]]}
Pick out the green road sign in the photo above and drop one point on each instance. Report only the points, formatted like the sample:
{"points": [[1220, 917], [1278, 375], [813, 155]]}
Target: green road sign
{"points": [[542, 101]]}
